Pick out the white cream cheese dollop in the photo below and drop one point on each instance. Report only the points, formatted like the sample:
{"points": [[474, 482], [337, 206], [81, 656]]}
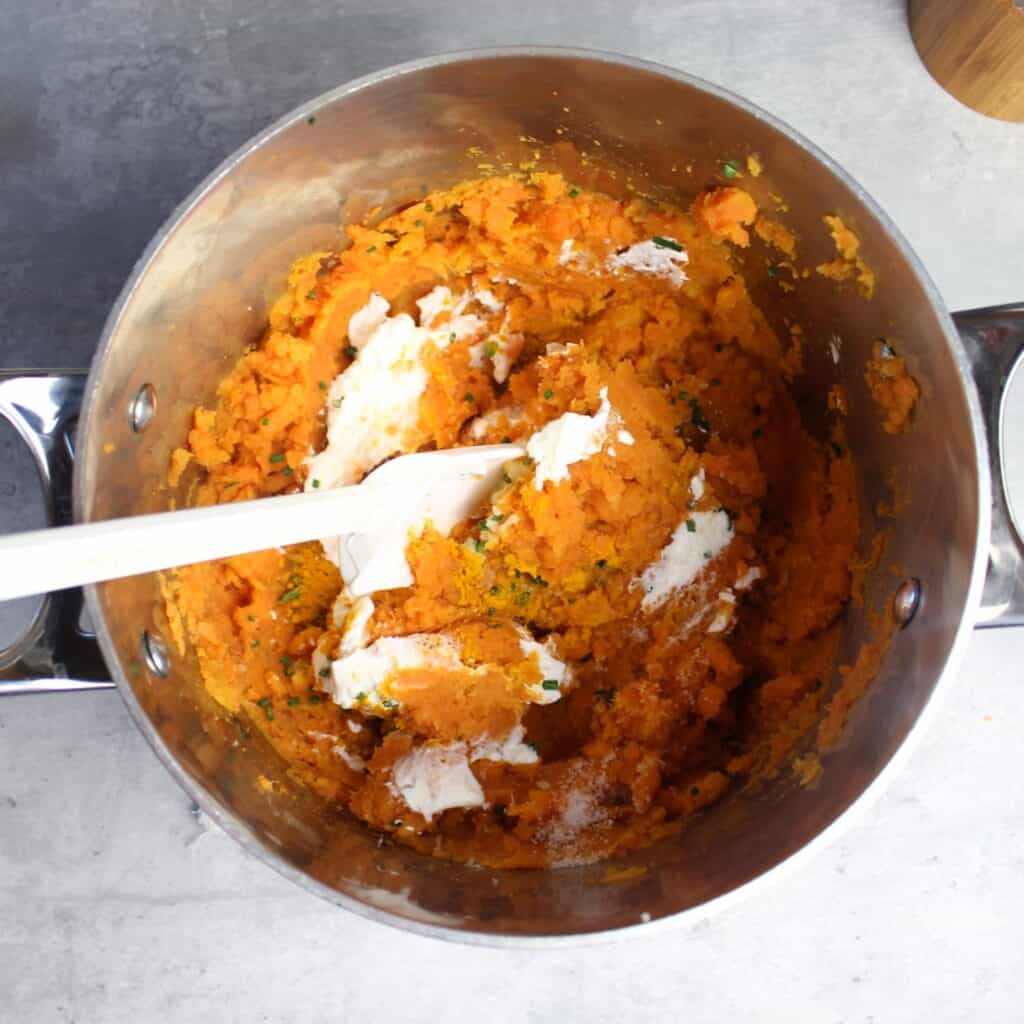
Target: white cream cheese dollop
{"points": [[650, 257], [359, 678], [569, 439], [699, 538], [435, 777], [373, 406]]}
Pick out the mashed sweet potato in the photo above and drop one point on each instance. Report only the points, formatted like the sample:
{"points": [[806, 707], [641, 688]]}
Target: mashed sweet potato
{"points": [[617, 639]]}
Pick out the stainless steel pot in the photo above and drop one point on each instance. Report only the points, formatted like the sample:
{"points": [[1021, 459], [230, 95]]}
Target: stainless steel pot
{"points": [[200, 293]]}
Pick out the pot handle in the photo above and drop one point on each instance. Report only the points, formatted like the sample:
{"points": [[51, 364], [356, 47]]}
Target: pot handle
{"points": [[994, 340], [58, 651]]}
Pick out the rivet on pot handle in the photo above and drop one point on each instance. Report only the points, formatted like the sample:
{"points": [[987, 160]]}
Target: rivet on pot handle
{"points": [[994, 340], [58, 651]]}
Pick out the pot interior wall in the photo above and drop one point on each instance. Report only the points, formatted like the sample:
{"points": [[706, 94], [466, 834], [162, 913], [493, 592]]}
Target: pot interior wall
{"points": [[202, 294]]}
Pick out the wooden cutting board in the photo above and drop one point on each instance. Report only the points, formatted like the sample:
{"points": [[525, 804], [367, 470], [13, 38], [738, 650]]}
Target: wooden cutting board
{"points": [[975, 50]]}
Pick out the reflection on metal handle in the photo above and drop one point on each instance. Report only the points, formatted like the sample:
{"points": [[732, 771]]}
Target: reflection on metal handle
{"points": [[994, 339], [58, 651]]}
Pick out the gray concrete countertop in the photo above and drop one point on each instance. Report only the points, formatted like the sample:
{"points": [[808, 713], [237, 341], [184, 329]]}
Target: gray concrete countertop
{"points": [[118, 904]]}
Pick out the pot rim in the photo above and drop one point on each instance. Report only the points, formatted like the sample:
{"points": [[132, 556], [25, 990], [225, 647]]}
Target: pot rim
{"points": [[235, 826]]}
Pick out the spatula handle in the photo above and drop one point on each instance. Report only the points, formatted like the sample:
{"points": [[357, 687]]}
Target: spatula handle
{"points": [[41, 561]]}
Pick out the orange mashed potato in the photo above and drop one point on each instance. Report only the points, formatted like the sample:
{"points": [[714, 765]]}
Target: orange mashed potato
{"points": [[614, 642]]}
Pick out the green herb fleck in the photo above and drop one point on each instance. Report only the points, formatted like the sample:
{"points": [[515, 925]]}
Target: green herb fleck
{"points": [[429, 207], [254, 644], [667, 243], [310, 120], [497, 517], [499, 810], [573, 193], [372, 248], [395, 823], [524, 599], [550, 684], [707, 554], [691, 526], [351, 351], [264, 702], [478, 546], [601, 563], [324, 672], [277, 457], [773, 271], [491, 349], [252, 618], [490, 611], [287, 471], [293, 701], [316, 484], [468, 396], [311, 295], [360, 697], [527, 460], [729, 169], [314, 698], [549, 393], [265, 421], [495, 589], [290, 595], [483, 524], [389, 704], [418, 223], [322, 385]]}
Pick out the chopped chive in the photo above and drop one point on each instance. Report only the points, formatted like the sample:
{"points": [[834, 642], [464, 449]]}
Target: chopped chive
{"points": [[311, 295], [667, 243], [707, 554], [491, 349], [395, 823], [468, 396], [549, 393], [490, 611], [254, 644], [418, 223], [290, 671], [683, 396], [691, 526], [290, 595], [506, 478], [483, 524], [601, 563], [389, 703], [277, 457], [451, 337], [360, 697], [265, 421], [287, 470], [315, 484], [372, 248], [270, 714], [429, 207], [524, 599], [773, 271], [729, 169], [573, 193], [527, 460], [292, 701], [351, 351], [286, 660], [550, 684], [252, 618], [478, 546], [314, 698], [322, 385], [324, 672], [264, 702], [495, 588]]}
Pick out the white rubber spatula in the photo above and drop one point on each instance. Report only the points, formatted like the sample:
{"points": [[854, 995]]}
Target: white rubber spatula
{"points": [[371, 522]]}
